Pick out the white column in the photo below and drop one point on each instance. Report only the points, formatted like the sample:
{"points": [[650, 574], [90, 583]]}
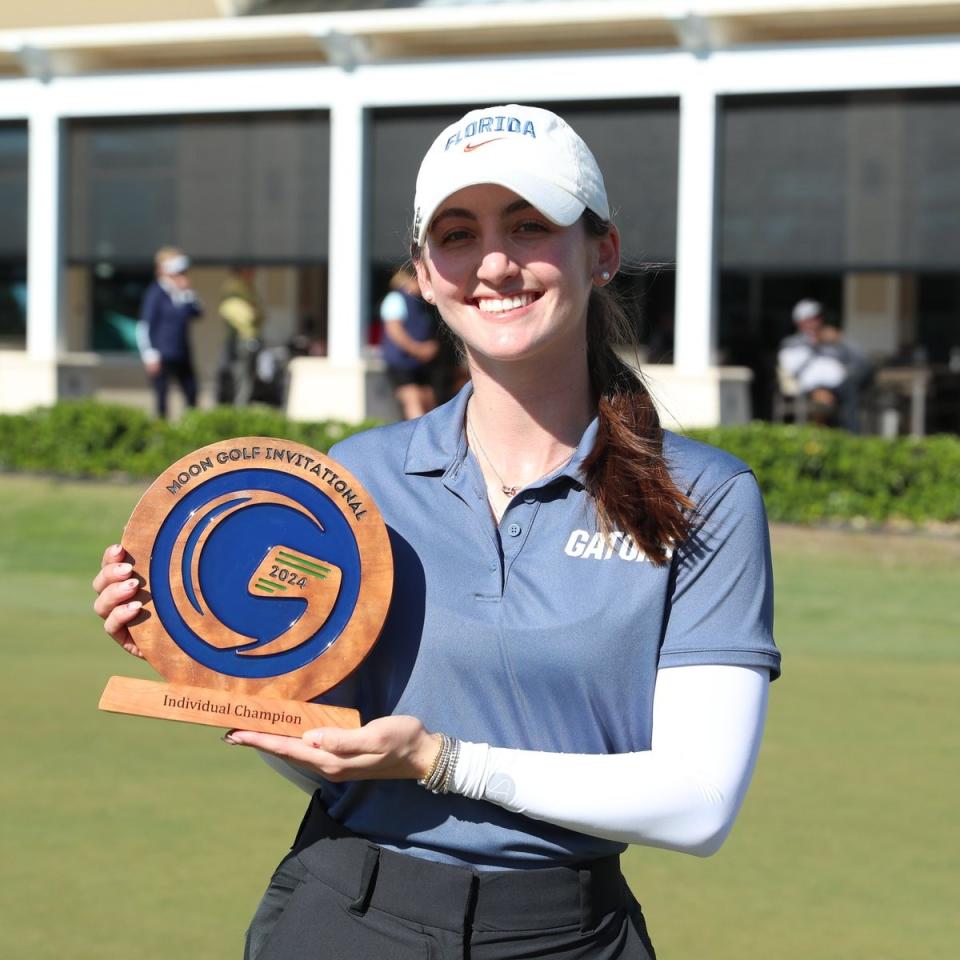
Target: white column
{"points": [[347, 243], [45, 203], [695, 323]]}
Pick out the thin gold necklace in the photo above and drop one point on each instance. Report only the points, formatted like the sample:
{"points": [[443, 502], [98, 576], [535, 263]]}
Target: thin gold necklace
{"points": [[511, 490]]}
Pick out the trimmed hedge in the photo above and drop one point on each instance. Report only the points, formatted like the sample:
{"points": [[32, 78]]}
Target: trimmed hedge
{"points": [[816, 475], [808, 474], [84, 438]]}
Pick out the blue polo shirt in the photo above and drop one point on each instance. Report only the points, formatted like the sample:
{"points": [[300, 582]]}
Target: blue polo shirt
{"points": [[538, 633]]}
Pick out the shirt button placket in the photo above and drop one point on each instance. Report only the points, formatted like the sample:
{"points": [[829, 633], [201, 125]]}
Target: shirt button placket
{"points": [[513, 531]]}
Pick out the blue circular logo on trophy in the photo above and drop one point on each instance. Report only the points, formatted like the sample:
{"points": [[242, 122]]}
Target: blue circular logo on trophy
{"points": [[267, 573]]}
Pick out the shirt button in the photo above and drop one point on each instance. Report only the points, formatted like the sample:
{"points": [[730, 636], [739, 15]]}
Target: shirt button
{"points": [[494, 565], [514, 530]]}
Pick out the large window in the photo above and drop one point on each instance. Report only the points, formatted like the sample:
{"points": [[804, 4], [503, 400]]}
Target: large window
{"points": [[13, 233], [857, 181], [237, 189], [830, 196]]}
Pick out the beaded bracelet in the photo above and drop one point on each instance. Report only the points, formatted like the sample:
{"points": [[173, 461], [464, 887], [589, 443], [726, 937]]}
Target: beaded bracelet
{"points": [[440, 777], [451, 767], [423, 781]]}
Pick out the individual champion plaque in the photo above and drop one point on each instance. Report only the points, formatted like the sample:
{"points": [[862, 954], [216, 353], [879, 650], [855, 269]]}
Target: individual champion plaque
{"points": [[267, 575]]}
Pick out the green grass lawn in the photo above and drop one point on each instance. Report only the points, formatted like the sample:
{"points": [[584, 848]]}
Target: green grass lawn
{"points": [[129, 838]]}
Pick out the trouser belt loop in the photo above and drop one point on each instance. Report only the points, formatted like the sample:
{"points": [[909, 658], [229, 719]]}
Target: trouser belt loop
{"points": [[470, 907], [368, 877], [587, 919]]}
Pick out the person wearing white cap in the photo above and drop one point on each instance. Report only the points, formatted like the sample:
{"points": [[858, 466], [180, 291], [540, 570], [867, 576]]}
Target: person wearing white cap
{"points": [[826, 367], [163, 332], [579, 646]]}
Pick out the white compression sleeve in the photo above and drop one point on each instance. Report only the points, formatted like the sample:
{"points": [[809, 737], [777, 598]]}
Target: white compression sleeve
{"points": [[682, 794]]}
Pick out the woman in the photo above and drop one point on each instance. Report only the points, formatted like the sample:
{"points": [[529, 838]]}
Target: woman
{"points": [[163, 333], [409, 344], [579, 647]]}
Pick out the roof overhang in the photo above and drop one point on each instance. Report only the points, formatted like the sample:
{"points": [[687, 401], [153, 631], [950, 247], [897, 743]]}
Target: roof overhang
{"points": [[347, 39]]}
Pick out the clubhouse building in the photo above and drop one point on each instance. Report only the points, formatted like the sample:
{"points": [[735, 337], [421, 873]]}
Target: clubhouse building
{"points": [[756, 152]]}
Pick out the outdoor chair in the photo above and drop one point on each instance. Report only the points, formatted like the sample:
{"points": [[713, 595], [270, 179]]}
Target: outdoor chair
{"points": [[790, 403]]}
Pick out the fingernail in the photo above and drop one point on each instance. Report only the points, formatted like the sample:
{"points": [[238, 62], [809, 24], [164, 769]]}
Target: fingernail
{"points": [[134, 605], [226, 738], [123, 569], [116, 548]]}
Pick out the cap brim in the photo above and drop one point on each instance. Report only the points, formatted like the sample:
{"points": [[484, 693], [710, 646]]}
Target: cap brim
{"points": [[556, 204]]}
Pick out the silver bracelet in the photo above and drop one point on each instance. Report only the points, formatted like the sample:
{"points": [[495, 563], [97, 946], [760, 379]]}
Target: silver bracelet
{"points": [[440, 777], [434, 781], [451, 767]]}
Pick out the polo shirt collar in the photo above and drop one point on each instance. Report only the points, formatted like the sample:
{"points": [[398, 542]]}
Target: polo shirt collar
{"points": [[438, 440], [574, 467], [439, 443]]}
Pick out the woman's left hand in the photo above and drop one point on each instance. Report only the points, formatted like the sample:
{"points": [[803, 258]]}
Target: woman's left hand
{"points": [[390, 748]]}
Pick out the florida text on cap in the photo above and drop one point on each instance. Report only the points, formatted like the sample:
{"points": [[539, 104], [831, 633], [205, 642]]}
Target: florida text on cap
{"points": [[530, 151]]}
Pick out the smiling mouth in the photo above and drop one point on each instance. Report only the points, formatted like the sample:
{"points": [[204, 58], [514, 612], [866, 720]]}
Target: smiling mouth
{"points": [[505, 304]]}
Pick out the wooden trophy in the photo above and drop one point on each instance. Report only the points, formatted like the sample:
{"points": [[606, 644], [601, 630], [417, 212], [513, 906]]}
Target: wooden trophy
{"points": [[267, 574]]}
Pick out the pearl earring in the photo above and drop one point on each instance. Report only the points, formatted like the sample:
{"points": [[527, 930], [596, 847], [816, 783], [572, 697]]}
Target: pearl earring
{"points": [[604, 275]]}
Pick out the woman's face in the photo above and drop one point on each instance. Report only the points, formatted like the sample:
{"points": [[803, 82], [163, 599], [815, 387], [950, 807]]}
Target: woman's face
{"points": [[509, 282]]}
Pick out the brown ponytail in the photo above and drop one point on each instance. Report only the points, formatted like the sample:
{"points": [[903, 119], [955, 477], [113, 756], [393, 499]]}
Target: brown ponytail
{"points": [[626, 472]]}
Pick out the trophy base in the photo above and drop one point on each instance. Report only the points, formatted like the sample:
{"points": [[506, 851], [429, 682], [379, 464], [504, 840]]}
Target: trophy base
{"points": [[221, 708]]}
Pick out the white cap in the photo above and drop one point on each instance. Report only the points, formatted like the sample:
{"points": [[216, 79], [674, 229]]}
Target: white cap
{"points": [[179, 263], [807, 310], [525, 149]]}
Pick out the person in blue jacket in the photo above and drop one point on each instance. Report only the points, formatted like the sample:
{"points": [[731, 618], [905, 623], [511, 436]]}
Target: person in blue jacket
{"points": [[579, 645], [163, 333]]}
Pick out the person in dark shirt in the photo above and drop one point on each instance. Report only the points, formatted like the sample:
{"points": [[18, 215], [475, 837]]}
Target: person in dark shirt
{"points": [[409, 344], [168, 306]]}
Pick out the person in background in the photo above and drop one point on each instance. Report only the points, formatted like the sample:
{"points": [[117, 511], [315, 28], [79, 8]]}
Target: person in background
{"points": [[241, 311], [409, 344], [827, 368], [163, 333]]}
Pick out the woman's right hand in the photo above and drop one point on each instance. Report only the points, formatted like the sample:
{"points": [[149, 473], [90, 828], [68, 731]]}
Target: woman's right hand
{"points": [[116, 588]]}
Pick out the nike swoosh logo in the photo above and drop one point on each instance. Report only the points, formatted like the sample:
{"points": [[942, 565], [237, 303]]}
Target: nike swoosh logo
{"points": [[470, 147]]}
